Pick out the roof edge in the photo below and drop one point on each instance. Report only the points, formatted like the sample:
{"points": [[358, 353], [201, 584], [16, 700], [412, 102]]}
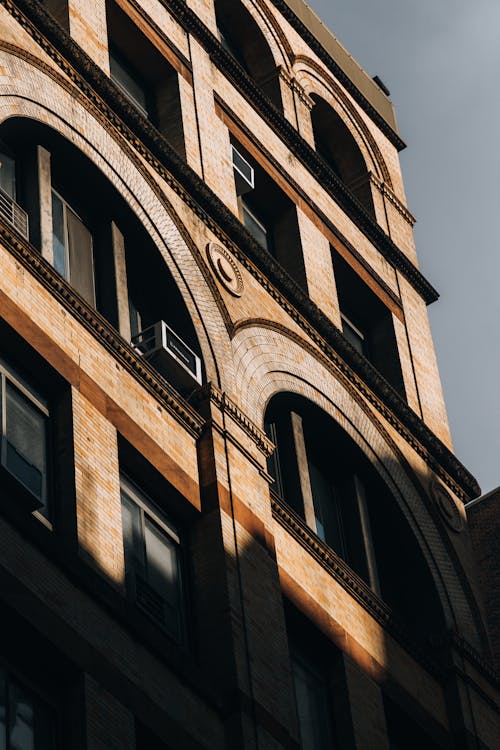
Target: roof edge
{"points": [[357, 81]]}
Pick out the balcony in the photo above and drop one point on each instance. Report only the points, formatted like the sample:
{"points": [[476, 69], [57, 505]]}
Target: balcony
{"points": [[14, 214]]}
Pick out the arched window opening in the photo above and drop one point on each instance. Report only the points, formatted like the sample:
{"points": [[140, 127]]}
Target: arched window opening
{"points": [[85, 229], [242, 38], [326, 478], [338, 148]]}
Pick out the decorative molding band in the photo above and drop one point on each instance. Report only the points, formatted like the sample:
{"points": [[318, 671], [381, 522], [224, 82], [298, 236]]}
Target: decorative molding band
{"points": [[478, 660], [228, 406], [103, 332], [125, 119], [346, 82], [387, 191], [350, 582]]}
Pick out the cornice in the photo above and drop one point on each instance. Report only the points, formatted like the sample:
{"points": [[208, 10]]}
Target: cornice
{"points": [[350, 582], [126, 119], [103, 332], [346, 82], [389, 193]]}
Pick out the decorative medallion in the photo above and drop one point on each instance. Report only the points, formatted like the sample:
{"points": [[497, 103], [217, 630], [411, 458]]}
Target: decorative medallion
{"points": [[224, 267], [447, 506]]}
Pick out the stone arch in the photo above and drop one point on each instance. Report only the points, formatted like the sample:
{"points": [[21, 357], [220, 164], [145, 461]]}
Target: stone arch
{"points": [[250, 34], [269, 361], [317, 82], [45, 96]]}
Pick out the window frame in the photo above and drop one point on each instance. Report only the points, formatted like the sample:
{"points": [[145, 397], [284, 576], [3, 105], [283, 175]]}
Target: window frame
{"points": [[9, 677], [150, 510], [9, 374], [67, 260]]}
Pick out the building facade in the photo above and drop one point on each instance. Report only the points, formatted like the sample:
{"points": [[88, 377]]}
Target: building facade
{"points": [[231, 516]]}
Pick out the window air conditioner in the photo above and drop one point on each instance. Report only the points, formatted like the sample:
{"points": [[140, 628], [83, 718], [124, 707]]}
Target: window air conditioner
{"points": [[169, 354], [244, 174]]}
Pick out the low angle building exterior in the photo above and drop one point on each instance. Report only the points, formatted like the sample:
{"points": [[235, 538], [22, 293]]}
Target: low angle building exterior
{"points": [[230, 511]]}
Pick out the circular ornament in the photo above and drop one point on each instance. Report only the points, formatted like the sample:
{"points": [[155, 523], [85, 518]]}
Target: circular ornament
{"points": [[447, 506], [224, 267]]}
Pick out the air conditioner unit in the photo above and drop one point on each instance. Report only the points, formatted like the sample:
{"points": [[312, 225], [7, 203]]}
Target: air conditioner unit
{"points": [[14, 214], [244, 174], [169, 354]]}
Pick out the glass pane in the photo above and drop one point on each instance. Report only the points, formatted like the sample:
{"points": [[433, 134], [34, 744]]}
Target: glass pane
{"points": [[44, 728], [3, 710], [58, 236], [8, 174], [26, 441], [328, 520], [162, 571], [128, 83], [21, 719], [81, 262], [132, 543], [256, 229], [354, 336], [311, 695]]}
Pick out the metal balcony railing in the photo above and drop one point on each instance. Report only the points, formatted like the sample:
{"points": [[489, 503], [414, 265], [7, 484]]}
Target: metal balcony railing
{"points": [[14, 214]]}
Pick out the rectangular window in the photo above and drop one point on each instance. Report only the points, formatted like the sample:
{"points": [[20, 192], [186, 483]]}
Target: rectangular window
{"points": [[24, 436], [26, 722], [128, 81], [72, 247], [367, 323], [152, 560], [267, 212], [312, 699]]}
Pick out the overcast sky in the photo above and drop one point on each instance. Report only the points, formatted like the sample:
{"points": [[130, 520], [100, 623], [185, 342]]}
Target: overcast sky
{"points": [[441, 61]]}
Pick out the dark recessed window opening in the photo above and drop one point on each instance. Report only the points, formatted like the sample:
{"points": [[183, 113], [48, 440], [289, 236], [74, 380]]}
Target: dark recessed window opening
{"points": [[97, 243], [336, 145], [326, 478], [152, 560], [315, 666], [367, 323], [267, 213], [59, 10], [144, 76], [242, 38], [26, 721]]}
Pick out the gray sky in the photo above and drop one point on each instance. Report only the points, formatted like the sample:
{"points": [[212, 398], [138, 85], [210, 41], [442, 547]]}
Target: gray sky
{"points": [[441, 62]]}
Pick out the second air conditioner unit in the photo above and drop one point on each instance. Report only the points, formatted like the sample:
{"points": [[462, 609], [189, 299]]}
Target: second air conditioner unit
{"points": [[169, 354]]}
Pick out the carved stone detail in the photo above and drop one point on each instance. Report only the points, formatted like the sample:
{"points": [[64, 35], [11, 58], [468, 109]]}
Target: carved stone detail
{"points": [[225, 268]]}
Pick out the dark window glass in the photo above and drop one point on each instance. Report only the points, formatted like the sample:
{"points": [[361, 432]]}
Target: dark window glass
{"points": [[25, 441], [312, 703], [7, 173], [254, 225], [152, 561], [26, 722], [23, 420], [128, 82]]}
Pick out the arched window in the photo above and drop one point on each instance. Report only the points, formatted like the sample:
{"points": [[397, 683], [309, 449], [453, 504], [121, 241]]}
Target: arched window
{"points": [[81, 224], [326, 478], [243, 39], [338, 148]]}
